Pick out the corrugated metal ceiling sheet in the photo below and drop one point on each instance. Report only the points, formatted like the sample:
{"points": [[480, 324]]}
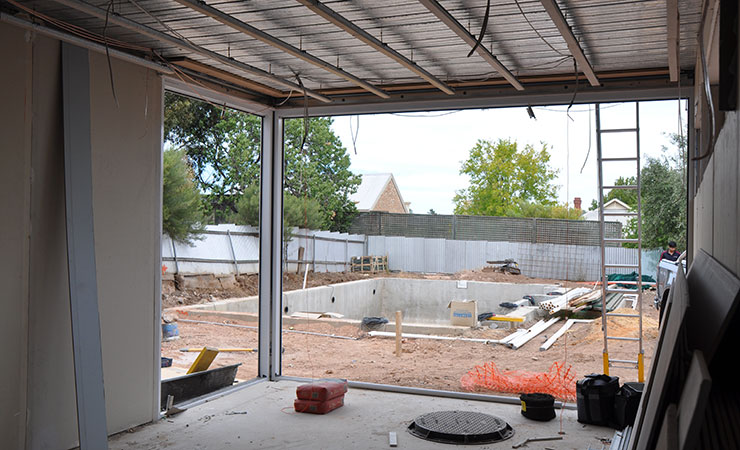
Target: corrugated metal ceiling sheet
{"points": [[615, 36]]}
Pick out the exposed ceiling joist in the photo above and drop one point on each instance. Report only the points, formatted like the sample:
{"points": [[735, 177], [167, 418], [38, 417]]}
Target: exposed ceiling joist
{"points": [[575, 49], [268, 39], [187, 46], [672, 27], [228, 77], [346, 25], [442, 14]]}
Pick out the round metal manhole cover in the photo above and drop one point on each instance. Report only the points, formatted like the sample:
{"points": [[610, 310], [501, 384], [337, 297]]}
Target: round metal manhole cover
{"points": [[460, 427]]}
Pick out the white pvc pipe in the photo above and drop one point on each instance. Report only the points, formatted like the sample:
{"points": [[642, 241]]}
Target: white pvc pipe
{"points": [[518, 342]]}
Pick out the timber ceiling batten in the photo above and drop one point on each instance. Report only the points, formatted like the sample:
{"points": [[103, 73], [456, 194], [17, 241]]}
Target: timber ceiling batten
{"points": [[341, 22], [443, 15], [672, 22], [187, 46], [575, 49], [251, 31]]}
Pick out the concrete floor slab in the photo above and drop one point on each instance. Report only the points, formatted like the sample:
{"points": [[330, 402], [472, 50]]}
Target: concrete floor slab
{"points": [[262, 417]]}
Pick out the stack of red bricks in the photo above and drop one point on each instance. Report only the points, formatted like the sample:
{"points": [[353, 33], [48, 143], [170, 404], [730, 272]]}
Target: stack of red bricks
{"points": [[320, 397]]}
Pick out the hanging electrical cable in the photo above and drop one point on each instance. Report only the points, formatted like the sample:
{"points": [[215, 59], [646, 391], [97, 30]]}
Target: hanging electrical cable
{"points": [[482, 28], [575, 91], [107, 53]]}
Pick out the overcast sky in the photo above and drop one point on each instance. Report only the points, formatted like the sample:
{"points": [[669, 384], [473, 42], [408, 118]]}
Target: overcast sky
{"points": [[424, 151]]}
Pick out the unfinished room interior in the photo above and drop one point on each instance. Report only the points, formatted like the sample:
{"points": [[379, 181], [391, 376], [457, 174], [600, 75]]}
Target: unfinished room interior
{"points": [[87, 276]]}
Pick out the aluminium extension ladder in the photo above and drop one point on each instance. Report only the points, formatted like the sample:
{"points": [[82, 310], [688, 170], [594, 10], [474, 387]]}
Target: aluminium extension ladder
{"points": [[639, 363]]}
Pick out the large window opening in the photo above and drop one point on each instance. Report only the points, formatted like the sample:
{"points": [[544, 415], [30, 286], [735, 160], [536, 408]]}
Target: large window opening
{"points": [[210, 245], [471, 225], [498, 206]]}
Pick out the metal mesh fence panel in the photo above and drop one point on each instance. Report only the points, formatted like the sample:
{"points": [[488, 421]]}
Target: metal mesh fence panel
{"points": [[484, 228]]}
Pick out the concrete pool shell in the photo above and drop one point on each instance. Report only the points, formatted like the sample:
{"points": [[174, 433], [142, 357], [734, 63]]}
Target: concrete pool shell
{"points": [[424, 303]]}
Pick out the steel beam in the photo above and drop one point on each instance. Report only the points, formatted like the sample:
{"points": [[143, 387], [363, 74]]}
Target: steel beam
{"points": [[618, 91], [346, 25], [268, 39], [442, 14], [187, 46], [270, 259], [83, 285], [575, 49], [672, 25]]}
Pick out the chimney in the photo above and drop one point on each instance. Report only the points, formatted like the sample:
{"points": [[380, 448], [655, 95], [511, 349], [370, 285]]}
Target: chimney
{"points": [[577, 203]]}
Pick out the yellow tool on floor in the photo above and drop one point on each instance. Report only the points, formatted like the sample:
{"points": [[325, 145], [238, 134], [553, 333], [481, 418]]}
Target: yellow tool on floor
{"points": [[506, 319], [203, 360], [220, 349]]}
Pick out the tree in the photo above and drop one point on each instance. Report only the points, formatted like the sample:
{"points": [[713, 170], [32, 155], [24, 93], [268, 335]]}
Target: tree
{"points": [[224, 148], [320, 170], [297, 212], [222, 145], [502, 176], [432, 212], [664, 198], [182, 210]]}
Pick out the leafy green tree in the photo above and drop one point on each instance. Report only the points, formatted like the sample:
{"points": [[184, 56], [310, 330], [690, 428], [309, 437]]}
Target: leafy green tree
{"points": [[224, 146], [321, 170], [432, 212], [664, 198], [501, 176], [297, 212], [182, 210]]}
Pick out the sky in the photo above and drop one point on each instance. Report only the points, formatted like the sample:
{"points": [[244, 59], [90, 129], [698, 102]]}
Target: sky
{"points": [[425, 150]]}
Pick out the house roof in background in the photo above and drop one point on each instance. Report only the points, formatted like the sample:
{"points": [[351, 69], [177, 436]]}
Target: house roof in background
{"points": [[617, 202], [372, 187]]}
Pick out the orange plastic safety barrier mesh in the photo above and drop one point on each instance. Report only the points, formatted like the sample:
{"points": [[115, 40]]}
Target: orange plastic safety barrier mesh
{"points": [[559, 381]]}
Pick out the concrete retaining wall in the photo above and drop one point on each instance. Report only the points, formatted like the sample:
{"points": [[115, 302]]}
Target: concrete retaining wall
{"points": [[421, 301]]}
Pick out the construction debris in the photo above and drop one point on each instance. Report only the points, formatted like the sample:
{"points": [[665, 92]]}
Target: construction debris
{"points": [[537, 439], [530, 333], [561, 301], [505, 266], [370, 264]]}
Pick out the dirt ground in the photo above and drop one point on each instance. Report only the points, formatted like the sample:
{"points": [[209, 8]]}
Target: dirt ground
{"points": [[423, 363]]}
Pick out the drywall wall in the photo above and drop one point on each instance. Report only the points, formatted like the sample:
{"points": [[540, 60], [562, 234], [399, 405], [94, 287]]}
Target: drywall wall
{"points": [[37, 390], [126, 163], [716, 206], [717, 202], [52, 419], [15, 93]]}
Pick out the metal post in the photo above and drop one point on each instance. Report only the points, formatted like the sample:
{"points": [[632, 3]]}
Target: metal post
{"points": [[640, 355], [270, 261], [83, 292], [233, 253], [346, 253], [601, 237], [313, 256]]}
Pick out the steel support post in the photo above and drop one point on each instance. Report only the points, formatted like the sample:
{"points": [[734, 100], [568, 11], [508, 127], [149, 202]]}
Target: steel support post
{"points": [[83, 285], [270, 261]]}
